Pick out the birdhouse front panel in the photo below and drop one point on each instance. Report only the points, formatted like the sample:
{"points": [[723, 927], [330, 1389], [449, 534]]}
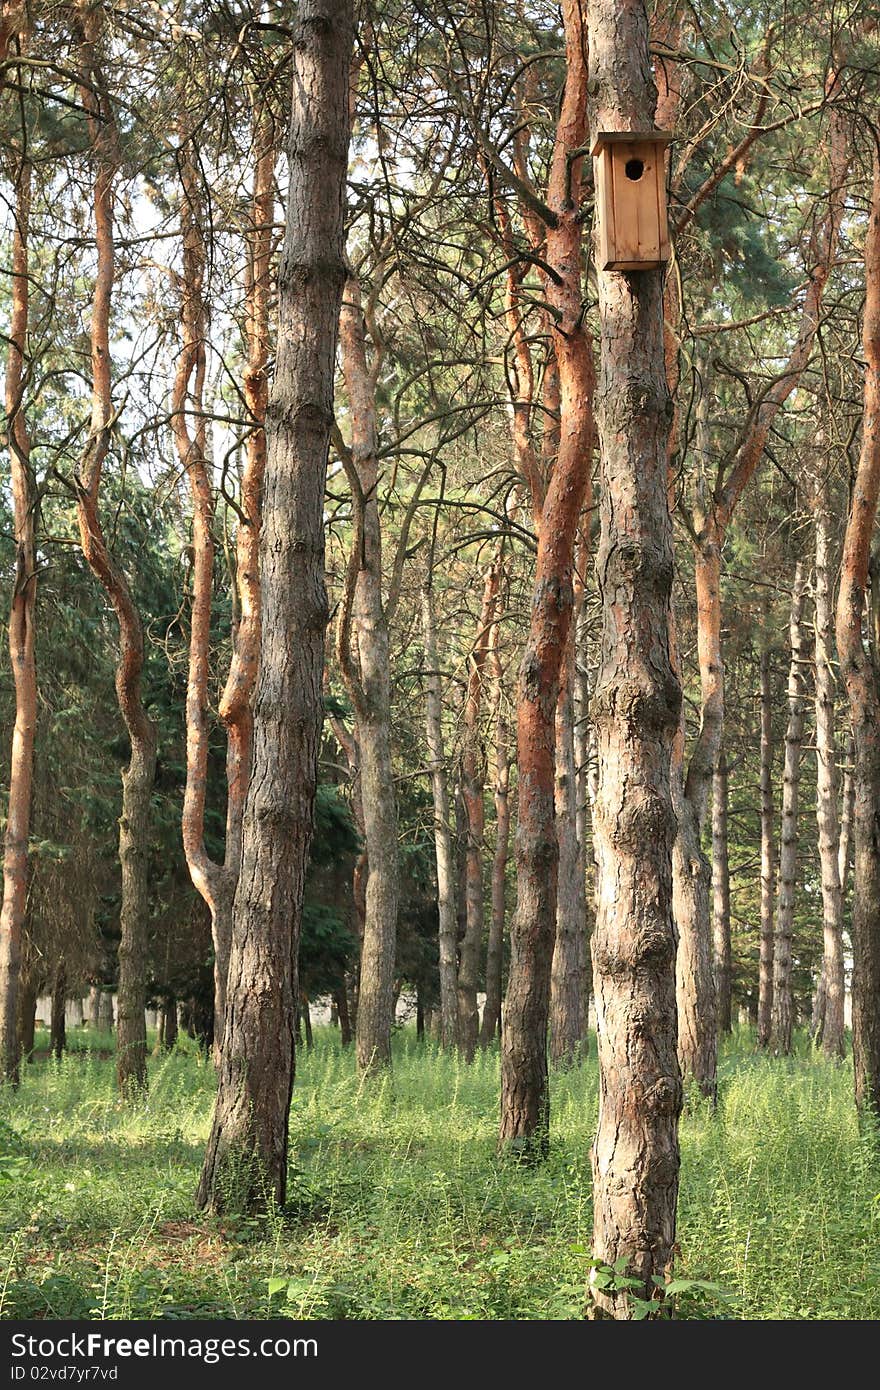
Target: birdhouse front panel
{"points": [[633, 231]]}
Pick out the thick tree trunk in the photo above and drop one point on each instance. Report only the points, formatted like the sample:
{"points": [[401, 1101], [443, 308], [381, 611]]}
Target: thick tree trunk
{"points": [[368, 680], [524, 1094], [862, 689], [246, 1160], [447, 917], [768, 859], [569, 991], [832, 975], [501, 793], [21, 641], [783, 1004], [472, 777], [636, 712], [721, 894]]}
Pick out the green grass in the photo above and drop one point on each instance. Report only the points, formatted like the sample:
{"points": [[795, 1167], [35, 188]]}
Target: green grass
{"points": [[400, 1209]]}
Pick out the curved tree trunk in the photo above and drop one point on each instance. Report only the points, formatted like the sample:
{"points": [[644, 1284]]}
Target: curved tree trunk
{"points": [[137, 779], [246, 1160], [768, 859], [446, 913], [21, 642], [721, 894], [524, 1094], [862, 689], [636, 712]]}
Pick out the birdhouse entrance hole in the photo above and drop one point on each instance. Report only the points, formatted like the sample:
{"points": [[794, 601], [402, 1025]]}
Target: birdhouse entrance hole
{"points": [[633, 232]]}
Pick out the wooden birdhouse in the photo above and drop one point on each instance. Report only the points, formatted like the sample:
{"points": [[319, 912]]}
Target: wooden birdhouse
{"points": [[631, 199]]}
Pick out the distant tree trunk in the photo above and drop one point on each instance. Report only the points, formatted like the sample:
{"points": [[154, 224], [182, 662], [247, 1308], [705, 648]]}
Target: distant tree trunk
{"points": [[569, 992], [832, 974], [368, 681], [58, 1027], [169, 1023], [472, 770], [420, 1015], [137, 779], [501, 774], [246, 1159], [794, 736], [446, 908], [341, 1000], [857, 668], [768, 859], [306, 1012], [27, 1017], [721, 894], [21, 640], [524, 1093], [692, 873], [635, 710]]}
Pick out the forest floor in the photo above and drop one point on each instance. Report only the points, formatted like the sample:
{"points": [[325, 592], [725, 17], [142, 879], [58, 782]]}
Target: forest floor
{"points": [[399, 1207]]}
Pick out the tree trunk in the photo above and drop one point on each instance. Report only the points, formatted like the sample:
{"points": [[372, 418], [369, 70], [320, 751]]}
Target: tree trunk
{"points": [[246, 1160], [721, 895], [692, 873], [832, 975], [495, 947], [368, 681], [794, 737], [169, 1023], [21, 641], [768, 859], [27, 1017], [137, 779], [341, 1001], [472, 776], [861, 680], [446, 910], [636, 711], [306, 1013], [58, 1027], [524, 1095], [569, 993]]}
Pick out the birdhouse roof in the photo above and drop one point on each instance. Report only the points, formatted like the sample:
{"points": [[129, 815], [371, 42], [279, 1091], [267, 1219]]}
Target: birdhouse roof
{"points": [[630, 137]]}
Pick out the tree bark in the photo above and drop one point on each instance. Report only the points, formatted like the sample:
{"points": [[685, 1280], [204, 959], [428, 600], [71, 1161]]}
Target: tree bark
{"points": [[501, 795], [636, 712], [246, 1160], [21, 640], [472, 779], [524, 1094], [794, 736], [137, 778], [569, 992], [721, 894], [832, 974], [368, 681], [768, 859], [861, 680], [446, 912]]}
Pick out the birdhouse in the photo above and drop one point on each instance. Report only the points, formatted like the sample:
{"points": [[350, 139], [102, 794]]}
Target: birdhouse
{"points": [[631, 199]]}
